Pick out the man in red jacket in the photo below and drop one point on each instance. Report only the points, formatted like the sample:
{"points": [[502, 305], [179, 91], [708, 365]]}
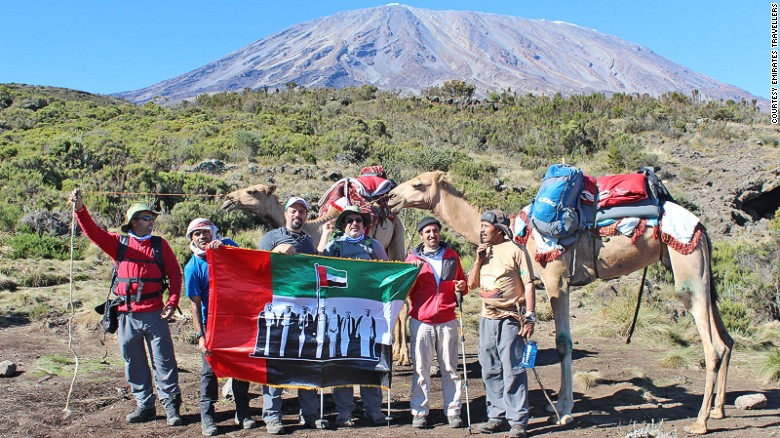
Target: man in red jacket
{"points": [[143, 317], [438, 290]]}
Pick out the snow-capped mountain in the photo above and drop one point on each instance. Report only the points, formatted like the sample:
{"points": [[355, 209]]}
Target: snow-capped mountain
{"points": [[408, 49]]}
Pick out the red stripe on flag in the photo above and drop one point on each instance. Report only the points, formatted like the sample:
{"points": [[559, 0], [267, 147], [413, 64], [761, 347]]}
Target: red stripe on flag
{"points": [[234, 309], [322, 275]]}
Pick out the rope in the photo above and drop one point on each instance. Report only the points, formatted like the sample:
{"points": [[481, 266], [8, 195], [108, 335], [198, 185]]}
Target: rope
{"points": [[67, 409], [155, 194]]}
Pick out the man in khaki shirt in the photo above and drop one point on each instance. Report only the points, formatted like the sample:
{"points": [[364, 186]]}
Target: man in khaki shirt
{"points": [[502, 274]]}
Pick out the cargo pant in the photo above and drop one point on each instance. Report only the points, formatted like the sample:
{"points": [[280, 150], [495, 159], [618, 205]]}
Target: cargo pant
{"points": [[506, 382], [137, 333]]}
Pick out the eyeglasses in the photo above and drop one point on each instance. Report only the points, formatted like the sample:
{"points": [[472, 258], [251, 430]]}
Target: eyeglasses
{"points": [[146, 218], [357, 220]]}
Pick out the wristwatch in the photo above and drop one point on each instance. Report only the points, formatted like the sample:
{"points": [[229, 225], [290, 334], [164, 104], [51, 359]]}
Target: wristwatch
{"points": [[530, 317], [199, 335]]}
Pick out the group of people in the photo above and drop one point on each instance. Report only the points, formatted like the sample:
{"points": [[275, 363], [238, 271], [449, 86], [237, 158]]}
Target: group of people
{"points": [[315, 336], [501, 273]]}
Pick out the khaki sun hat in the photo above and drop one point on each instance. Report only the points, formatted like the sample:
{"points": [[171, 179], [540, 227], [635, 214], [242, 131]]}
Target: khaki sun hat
{"points": [[134, 209]]}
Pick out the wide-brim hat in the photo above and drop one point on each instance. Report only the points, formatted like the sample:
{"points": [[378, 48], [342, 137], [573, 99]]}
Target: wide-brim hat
{"points": [[134, 209], [498, 219], [352, 209]]}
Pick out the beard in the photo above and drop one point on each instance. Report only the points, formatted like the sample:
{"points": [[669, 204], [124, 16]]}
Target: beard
{"points": [[297, 224]]}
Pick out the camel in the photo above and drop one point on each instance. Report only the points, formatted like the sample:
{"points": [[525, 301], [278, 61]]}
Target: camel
{"points": [[598, 258], [260, 200]]}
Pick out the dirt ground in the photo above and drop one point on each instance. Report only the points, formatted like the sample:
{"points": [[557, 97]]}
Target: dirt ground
{"points": [[633, 391]]}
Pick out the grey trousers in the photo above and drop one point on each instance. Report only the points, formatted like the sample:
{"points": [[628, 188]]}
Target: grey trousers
{"points": [[137, 333], [345, 405], [506, 383], [209, 392], [272, 403]]}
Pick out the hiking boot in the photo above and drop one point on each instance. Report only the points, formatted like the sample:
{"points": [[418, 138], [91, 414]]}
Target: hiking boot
{"points": [[244, 420], [376, 418], [207, 426], [274, 427], [344, 422], [311, 421], [493, 425], [455, 422], [172, 410], [419, 422], [141, 414], [517, 431]]}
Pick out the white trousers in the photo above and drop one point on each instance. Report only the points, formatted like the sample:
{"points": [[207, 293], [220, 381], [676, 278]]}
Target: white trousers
{"points": [[443, 340]]}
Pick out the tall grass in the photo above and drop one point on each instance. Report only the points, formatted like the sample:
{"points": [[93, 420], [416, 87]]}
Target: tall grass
{"points": [[770, 369]]}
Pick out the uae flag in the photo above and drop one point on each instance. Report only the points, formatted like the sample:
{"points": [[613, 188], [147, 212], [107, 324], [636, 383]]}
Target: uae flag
{"points": [[303, 321], [329, 277]]}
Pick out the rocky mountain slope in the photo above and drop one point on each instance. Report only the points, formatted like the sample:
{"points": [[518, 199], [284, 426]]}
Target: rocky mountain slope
{"points": [[408, 49]]}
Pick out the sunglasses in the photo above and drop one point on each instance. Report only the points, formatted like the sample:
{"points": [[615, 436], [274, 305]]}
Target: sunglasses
{"points": [[146, 218], [357, 220]]}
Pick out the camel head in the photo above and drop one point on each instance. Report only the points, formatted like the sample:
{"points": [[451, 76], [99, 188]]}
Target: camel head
{"points": [[421, 192], [258, 199]]}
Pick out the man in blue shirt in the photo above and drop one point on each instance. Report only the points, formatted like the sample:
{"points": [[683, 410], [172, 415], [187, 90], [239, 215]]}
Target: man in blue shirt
{"points": [[202, 234], [289, 239]]}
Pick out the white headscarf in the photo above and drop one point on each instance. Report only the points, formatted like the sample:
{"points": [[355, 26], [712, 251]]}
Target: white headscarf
{"points": [[201, 224]]}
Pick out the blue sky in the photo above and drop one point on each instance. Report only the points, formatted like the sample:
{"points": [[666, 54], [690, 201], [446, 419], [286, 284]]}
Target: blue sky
{"points": [[107, 46]]}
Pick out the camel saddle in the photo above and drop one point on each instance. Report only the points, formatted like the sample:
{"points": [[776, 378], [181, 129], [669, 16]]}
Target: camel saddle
{"points": [[368, 191]]}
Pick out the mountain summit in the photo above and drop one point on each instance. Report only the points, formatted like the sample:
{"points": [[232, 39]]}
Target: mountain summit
{"points": [[408, 49]]}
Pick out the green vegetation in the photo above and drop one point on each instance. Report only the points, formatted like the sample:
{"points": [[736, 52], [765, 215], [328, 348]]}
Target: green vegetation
{"points": [[495, 149], [770, 369]]}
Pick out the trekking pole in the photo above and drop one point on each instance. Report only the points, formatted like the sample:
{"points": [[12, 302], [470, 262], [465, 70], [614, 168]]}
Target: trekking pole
{"points": [[463, 351], [544, 391], [388, 417], [322, 423]]}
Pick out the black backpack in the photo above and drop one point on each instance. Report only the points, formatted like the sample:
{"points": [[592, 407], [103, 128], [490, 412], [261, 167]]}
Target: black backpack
{"points": [[657, 188]]}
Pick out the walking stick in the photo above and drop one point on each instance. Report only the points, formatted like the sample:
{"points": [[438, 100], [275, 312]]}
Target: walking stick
{"points": [[322, 423], [636, 311], [463, 351], [544, 391]]}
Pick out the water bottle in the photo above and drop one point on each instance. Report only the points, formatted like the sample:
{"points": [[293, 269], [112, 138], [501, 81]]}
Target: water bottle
{"points": [[529, 355]]}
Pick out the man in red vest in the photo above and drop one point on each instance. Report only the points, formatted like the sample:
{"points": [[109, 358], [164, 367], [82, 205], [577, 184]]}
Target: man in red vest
{"points": [[142, 262]]}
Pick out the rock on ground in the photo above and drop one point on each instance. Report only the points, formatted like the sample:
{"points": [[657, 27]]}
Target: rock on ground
{"points": [[7, 368], [751, 401]]}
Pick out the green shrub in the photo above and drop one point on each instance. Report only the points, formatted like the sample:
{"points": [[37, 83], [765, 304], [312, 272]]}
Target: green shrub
{"points": [[736, 316], [43, 246], [9, 216]]}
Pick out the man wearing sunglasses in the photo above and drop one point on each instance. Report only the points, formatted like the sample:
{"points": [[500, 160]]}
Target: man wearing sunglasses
{"points": [[502, 274], [143, 316], [349, 240]]}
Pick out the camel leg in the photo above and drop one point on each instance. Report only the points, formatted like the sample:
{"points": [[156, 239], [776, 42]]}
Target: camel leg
{"points": [[724, 346], [401, 336], [557, 286], [692, 284]]}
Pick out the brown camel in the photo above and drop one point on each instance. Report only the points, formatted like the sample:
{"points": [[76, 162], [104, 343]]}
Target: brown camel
{"points": [[260, 200], [614, 257]]}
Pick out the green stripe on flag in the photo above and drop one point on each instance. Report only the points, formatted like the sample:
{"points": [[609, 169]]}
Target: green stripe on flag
{"points": [[297, 276]]}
